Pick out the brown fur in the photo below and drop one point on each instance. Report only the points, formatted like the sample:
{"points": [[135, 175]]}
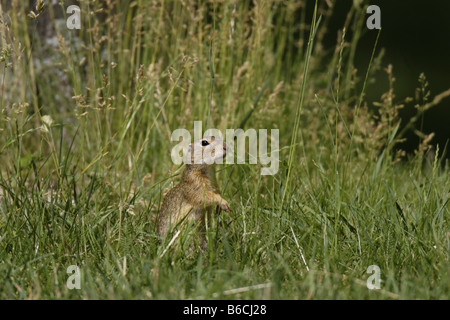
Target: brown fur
{"points": [[194, 198]]}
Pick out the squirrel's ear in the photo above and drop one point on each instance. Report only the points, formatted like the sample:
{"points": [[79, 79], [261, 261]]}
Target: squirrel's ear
{"points": [[188, 155]]}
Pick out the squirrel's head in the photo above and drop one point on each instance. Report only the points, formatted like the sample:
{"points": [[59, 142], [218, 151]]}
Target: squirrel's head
{"points": [[208, 150]]}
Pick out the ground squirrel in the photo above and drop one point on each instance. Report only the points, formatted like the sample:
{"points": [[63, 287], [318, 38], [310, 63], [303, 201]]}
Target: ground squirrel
{"points": [[197, 193]]}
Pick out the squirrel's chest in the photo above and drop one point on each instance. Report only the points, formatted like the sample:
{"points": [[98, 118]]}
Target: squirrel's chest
{"points": [[198, 214]]}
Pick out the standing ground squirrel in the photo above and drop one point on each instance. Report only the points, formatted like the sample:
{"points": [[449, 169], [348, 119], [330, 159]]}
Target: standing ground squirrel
{"points": [[198, 192]]}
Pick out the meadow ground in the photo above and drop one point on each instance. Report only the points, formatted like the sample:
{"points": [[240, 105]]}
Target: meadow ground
{"points": [[85, 126]]}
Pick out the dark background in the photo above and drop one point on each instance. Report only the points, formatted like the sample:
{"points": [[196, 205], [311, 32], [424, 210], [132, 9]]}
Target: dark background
{"points": [[416, 37]]}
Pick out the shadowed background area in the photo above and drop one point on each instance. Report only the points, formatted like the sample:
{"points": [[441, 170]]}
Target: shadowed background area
{"points": [[415, 35]]}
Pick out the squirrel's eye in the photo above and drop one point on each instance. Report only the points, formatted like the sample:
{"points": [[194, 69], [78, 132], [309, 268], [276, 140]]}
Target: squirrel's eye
{"points": [[205, 143]]}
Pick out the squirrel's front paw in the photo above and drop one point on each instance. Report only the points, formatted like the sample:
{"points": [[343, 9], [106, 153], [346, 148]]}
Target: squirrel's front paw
{"points": [[225, 206]]}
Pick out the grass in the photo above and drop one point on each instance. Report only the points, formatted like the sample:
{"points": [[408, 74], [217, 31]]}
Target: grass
{"points": [[86, 119]]}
